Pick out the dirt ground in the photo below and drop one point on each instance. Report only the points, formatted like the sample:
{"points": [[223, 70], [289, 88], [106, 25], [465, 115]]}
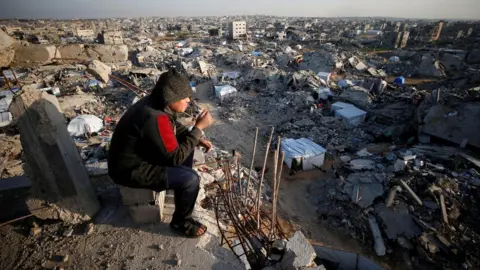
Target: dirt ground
{"points": [[298, 195]]}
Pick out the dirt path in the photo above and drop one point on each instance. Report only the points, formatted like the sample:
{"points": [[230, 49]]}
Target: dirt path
{"points": [[238, 135], [294, 201]]}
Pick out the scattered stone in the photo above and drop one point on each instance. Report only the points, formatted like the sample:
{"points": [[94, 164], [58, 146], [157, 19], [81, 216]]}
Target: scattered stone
{"points": [[68, 232], [178, 261], [100, 70], [397, 220], [379, 245], [362, 164], [35, 231], [89, 229], [299, 252], [399, 165]]}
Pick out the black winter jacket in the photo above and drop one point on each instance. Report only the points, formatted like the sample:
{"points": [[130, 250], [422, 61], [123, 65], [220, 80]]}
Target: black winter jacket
{"points": [[146, 141]]}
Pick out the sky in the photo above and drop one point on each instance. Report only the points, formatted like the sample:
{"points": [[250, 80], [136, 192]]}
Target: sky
{"points": [[66, 9]]}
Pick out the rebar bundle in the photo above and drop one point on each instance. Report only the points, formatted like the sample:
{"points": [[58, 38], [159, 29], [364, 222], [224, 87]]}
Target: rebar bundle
{"points": [[245, 227]]}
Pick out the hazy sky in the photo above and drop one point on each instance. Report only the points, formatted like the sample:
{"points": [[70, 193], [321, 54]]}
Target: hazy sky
{"points": [[461, 9]]}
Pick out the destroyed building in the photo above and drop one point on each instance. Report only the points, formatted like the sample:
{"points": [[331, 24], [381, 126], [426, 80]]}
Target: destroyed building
{"points": [[380, 148]]}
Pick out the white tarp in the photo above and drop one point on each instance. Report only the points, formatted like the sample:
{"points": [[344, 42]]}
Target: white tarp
{"points": [[394, 59], [6, 98], [303, 150], [224, 90], [84, 124], [5, 119]]}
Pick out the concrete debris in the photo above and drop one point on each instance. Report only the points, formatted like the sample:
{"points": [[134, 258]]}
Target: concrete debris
{"points": [[398, 221], [299, 253], [379, 244], [7, 49], [33, 54], [363, 188], [100, 52], [68, 232], [100, 70], [362, 164], [89, 229]]}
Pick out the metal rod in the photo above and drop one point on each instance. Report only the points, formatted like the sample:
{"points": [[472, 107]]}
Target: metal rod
{"points": [[275, 164], [252, 162], [238, 174], [259, 190], [277, 189]]}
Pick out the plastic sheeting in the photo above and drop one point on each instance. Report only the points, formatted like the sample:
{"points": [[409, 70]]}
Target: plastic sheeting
{"points": [[399, 80], [84, 124], [394, 59], [222, 91]]}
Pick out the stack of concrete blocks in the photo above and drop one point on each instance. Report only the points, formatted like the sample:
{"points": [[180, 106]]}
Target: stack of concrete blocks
{"points": [[144, 205]]}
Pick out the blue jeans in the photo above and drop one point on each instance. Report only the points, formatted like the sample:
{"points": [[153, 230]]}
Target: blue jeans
{"points": [[185, 183]]}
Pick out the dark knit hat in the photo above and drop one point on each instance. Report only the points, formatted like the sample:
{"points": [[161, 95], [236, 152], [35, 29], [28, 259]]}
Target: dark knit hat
{"points": [[171, 87]]}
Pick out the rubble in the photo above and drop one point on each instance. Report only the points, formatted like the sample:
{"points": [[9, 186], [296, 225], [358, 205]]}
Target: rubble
{"points": [[7, 49], [298, 253], [100, 70], [33, 54], [90, 52]]}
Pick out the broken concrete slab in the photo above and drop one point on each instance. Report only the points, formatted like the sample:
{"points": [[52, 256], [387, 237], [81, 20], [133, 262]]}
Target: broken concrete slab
{"points": [[364, 187], [379, 244], [473, 57], [299, 253], [430, 67], [7, 49], [358, 95], [100, 70], [35, 54], [101, 52], [362, 164], [454, 123], [53, 163], [398, 221]]}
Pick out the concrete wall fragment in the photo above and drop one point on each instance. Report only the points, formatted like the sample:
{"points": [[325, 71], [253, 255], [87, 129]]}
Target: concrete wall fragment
{"points": [[101, 52], [7, 49], [35, 54]]}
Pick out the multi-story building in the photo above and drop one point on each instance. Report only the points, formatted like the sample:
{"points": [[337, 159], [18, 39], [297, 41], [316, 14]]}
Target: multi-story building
{"points": [[112, 37], [237, 30], [437, 31], [84, 33]]}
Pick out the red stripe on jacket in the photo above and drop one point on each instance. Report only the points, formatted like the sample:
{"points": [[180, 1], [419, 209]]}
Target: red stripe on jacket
{"points": [[166, 133]]}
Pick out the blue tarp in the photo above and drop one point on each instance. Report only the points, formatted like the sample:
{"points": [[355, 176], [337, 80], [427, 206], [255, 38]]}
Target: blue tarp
{"points": [[254, 53], [399, 80]]}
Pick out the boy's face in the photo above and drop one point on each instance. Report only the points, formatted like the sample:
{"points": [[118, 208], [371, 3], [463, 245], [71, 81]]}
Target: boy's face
{"points": [[180, 106]]}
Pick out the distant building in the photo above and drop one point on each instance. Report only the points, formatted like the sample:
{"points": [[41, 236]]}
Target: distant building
{"points": [[11, 30], [397, 40], [323, 37], [112, 37], [193, 28], [84, 33], [237, 30], [437, 31], [215, 32]]}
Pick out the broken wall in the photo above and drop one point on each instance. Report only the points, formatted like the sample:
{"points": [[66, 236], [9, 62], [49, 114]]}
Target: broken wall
{"points": [[101, 52], [7, 49], [35, 54]]}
